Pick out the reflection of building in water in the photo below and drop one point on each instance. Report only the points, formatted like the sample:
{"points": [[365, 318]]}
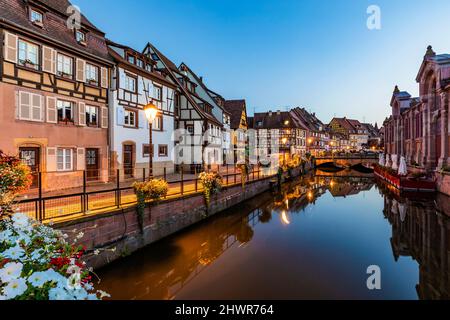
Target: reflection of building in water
{"points": [[175, 263], [421, 230]]}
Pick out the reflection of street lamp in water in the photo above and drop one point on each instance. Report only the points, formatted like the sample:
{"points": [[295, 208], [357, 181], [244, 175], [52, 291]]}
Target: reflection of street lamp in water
{"points": [[284, 218], [151, 111]]}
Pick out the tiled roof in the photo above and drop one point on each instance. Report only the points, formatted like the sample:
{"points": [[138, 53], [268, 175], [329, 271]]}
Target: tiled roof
{"points": [[309, 120], [273, 120], [14, 12], [235, 108]]}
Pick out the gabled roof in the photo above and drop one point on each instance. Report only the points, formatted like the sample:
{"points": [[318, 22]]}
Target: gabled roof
{"points": [[440, 62], [13, 13], [235, 108], [308, 120], [169, 65], [208, 92], [118, 58], [273, 120]]}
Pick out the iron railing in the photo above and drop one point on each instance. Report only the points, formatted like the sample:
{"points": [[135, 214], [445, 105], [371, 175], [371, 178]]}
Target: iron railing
{"points": [[116, 194]]}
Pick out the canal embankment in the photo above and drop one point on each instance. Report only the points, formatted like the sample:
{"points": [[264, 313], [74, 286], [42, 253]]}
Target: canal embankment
{"points": [[118, 233]]}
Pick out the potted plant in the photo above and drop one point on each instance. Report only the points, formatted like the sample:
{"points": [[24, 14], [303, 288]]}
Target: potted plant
{"points": [[15, 177], [154, 190], [212, 184]]}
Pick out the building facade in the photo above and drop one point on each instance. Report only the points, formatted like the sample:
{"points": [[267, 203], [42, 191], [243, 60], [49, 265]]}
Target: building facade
{"points": [[135, 82], [418, 128], [54, 92], [317, 138], [198, 133], [239, 126]]}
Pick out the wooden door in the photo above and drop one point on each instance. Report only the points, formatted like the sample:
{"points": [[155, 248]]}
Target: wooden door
{"points": [[92, 164], [128, 159], [31, 157]]}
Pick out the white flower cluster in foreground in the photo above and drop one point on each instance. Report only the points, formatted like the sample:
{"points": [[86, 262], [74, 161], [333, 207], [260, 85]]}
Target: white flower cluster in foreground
{"points": [[36, 263]]}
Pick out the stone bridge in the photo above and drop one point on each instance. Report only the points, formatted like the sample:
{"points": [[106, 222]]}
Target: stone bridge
{"points": [[347, 161]]}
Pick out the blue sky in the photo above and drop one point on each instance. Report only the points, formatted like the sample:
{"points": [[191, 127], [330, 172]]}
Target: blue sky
{"points": [[279, 53]]}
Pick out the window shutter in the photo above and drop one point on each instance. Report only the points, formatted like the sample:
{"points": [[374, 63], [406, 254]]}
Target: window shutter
{"points": [[81, 70], [11, 47], [120, 116], [81, 159], [52, 115], [24, 105], [48, 60], [81, 114], [51, 159], [104, 117], [104, 77], [37, 107]]}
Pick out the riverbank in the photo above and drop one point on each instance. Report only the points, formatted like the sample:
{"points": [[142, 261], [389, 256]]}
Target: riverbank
{"points": [[110, 236]]}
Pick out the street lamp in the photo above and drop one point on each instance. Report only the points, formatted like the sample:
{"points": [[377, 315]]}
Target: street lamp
{"points": [[151, 111]]}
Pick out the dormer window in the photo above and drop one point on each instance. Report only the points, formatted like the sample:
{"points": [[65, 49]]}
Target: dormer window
{"points": [[80, 37], [131, 59], [140, 63], [36, 17], [148, 67]]}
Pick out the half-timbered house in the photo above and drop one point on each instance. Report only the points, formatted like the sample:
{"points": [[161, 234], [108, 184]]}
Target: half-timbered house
{"points": [[54, 91]]}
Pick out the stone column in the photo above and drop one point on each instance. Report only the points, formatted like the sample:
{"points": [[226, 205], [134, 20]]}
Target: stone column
{"points": [[424, 115], [444, 156], [412, 137]]}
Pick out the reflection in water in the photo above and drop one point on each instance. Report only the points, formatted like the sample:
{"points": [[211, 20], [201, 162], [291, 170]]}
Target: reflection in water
{"points": [[274, 248], [421, 230]]}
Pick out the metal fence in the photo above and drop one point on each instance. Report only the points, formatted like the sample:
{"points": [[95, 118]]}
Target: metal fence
{"points": [[115, 193]]}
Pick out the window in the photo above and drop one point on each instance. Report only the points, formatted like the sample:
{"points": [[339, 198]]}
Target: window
{"points": [[64, 160], [140, 63], [157, 93], [157, 123], [162, 150], [91, 116], [148, 67], [190, 128], [130, 83], [131, 59], [28, 54], [146, 150], [36, 16], [91, 74], [130, 118], [64, 110], [80, 36], [64, 66]]}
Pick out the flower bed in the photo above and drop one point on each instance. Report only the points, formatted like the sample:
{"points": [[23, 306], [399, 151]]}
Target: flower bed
{"points": [[36, 263], [212, 183]]}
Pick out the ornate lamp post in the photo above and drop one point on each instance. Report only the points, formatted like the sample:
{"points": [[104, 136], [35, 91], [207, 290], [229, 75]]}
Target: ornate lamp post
{"points": [[151, 111]]}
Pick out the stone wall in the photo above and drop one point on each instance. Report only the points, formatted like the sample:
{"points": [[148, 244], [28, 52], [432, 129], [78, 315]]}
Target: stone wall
{"points": [[117, 234], [443, 182]]}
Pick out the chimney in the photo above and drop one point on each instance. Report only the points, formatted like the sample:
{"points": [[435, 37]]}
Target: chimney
{"points": [[278, 112], [201, 79], [270, 113]]}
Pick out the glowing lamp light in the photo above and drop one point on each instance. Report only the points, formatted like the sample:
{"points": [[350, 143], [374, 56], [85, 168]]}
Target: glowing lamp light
{"points": [[284, 140], [151, 111], [284, 218]]}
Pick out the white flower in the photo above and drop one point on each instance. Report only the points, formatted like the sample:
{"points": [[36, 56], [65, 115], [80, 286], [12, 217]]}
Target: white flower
{"points": [[15, 287], [80, 235], [5, 236], [21, 221], [73, 269], [10, 271], [103, 294], [74, 281], [96, 252], [15, 253], [59, 293], [38, 279]]}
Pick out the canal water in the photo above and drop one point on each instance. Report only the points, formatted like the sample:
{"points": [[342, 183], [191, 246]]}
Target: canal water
{"points": [[313, 240]]}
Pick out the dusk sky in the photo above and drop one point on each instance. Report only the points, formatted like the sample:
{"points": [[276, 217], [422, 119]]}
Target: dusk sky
{"points": [[316, 54]]}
